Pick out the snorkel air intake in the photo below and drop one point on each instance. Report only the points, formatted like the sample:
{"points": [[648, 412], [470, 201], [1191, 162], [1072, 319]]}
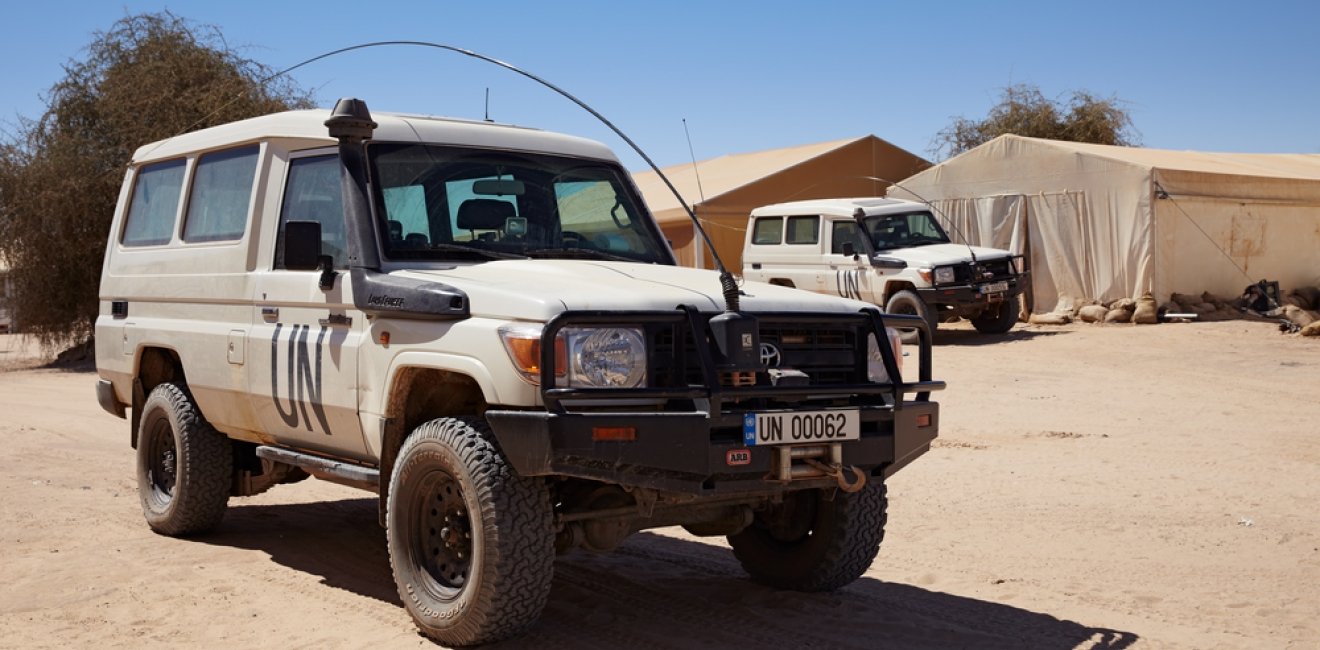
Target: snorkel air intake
{"points": [[375, 292]]}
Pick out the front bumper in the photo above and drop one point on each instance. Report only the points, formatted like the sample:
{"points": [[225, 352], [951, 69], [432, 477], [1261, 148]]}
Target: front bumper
{"points": [[691, 452], [964, 296]]}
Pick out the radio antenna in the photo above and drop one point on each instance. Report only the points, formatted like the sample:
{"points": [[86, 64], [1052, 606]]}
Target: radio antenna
{"points": [[699, 257], [693, 156], [488, 104]]}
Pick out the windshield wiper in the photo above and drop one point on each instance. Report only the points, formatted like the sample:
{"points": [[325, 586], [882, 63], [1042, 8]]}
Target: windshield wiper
{"points": [[479, 253], [577, 253]]}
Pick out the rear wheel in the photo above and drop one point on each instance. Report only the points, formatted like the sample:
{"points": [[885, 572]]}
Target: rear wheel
{"points": [[808, 543], [184, 465], [908, 303], [997, 319], [471, 543]]}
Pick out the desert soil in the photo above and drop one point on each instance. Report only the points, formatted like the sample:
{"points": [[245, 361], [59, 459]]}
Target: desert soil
{"points": [[1092, 487]]}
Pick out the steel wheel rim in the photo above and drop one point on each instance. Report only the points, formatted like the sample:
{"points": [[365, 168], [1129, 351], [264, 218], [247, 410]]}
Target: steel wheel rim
{"points": [[162, 462], [442, 545]]}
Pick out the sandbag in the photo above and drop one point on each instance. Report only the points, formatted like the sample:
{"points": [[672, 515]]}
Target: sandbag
{"points": [[1092, 313], [1050, 319], [1118, 316], [1146, 312]]}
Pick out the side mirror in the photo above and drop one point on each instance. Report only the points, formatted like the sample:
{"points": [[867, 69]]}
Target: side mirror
{"points": [[882, 262], [302, 251], [302, 245], [848, 249]]}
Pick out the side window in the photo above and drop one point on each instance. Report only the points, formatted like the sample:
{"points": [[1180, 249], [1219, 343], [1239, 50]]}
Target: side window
{"points": [[221, 192], [156, 192], [803, 230], [312, 193], [844, 232], [768, 230]]}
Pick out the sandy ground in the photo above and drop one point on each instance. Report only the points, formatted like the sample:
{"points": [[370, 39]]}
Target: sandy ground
{"points": [[1093, 487]]}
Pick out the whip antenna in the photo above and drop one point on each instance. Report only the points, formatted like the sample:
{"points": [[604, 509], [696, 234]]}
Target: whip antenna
{"points": [[700, 256]]}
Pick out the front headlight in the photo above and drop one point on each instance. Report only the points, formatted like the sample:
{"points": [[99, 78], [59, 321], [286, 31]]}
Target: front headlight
{"points": [[613, 357], [875, 366], [944, 275], [588, 357]]}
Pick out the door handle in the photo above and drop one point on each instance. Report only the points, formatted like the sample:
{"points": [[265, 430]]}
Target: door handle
{"points": [[270, 313], [335, 319]]}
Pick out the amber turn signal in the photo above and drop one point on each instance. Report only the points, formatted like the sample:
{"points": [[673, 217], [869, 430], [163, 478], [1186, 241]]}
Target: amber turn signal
{"points": [[613, 434]]}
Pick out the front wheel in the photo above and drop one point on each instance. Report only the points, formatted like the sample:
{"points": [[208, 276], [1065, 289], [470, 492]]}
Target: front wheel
{"points": [[184, 465], [471, 543], [997, 319], [809, 543], [909, 303]]}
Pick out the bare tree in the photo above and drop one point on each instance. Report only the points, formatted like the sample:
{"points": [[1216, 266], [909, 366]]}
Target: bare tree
{"points": [[1023, 110], [149, 77]]}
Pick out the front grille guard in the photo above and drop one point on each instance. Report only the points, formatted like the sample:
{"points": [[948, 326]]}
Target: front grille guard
{"points": [[867, 321], [1017, 270]]}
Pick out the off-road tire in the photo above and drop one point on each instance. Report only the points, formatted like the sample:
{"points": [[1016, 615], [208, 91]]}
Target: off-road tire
{"points": [[909, 303], [810, 544], [471, 543], [184, 466], [997, 321]]}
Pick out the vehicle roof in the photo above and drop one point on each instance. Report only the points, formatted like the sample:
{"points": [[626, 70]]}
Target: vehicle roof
{"points": [[838, 207], [309, 126]]}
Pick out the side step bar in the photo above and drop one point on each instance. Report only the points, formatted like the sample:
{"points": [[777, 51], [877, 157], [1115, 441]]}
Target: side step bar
{"points": [[326, 469]]}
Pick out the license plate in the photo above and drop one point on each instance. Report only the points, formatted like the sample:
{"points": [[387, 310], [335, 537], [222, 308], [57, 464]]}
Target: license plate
{"points": [[996, 287], [801, 427]]}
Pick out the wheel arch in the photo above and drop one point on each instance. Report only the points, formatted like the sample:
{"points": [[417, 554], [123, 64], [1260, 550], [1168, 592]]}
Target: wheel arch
{"points": [[894, 286], [419, 392], [153, 365]]}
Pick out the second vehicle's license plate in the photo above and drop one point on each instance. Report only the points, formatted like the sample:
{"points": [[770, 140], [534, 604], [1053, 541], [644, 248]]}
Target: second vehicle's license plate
{"points": [[801, 427], [997, 287]]}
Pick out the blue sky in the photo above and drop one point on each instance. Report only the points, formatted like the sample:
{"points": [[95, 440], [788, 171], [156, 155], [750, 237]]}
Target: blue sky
{"points": [[749, 76]]}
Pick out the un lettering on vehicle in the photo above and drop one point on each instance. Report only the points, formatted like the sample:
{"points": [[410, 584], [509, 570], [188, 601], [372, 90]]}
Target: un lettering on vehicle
{"points": [[802, 427]]}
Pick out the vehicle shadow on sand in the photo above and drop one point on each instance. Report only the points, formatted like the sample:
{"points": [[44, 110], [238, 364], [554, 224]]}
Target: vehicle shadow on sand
{"points": [[972, 338], [657, 591]]}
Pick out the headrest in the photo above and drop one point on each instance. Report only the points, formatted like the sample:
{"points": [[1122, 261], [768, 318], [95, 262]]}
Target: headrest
{"points": [[483, 214]]}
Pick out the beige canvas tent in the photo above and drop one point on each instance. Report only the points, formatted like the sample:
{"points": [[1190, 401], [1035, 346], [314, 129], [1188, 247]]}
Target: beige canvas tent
{"points": [[1103, 222], [732, 185]]}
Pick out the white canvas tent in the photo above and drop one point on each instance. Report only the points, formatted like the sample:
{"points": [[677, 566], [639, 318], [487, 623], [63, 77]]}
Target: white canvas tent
{"points": [[1101, 222]]}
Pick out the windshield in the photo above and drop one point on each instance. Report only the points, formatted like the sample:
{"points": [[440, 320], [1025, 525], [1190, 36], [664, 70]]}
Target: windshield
{"points": [[455, 203], [892, 231]]}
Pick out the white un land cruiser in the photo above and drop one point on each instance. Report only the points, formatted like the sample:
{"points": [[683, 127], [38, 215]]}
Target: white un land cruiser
{"points": [[483, 325], [889, 252]]}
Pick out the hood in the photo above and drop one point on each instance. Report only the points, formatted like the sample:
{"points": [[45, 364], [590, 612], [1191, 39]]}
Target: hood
{"points": [[537, 290], [936, 254]]}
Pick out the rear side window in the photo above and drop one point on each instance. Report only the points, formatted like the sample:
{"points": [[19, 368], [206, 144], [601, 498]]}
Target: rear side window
{"points": [[156, 191], [221, 192], [768, 230], [803, 230], [312, 194]]}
